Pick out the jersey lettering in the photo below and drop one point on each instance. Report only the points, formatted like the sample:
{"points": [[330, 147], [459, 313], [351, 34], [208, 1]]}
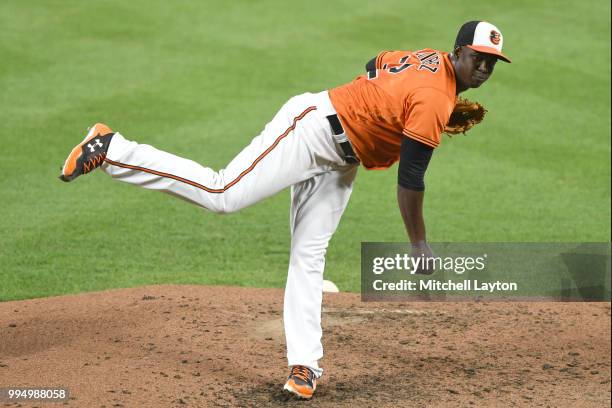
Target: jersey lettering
{"points": [[429, 61]]}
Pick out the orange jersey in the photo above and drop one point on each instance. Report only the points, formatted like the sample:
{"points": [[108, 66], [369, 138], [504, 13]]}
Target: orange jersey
{"points": [[411, 93]]}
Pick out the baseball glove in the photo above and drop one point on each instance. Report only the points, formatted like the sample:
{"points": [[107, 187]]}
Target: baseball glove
{"points": [[465, 116]]}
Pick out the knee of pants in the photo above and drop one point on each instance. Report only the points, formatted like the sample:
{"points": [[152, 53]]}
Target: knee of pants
{"points": [[308, 259], [224, 203]]}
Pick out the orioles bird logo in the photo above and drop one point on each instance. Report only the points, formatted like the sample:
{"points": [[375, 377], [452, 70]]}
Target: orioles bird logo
{"points": [[495, 37]]}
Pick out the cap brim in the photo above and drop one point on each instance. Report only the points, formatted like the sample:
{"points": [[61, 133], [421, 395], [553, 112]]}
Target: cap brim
{"points": [[490, 50]]}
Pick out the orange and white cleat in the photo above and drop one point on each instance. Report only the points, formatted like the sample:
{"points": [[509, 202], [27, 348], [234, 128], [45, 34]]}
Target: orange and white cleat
{"points": [[302, 382], [89, 154]]}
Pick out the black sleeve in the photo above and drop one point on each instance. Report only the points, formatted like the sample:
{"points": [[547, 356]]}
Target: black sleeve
{"points": [[414, 158], [371, 65]]}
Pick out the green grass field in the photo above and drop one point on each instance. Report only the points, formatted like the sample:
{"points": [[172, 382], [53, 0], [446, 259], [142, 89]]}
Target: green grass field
{"points": [[200, 79]]}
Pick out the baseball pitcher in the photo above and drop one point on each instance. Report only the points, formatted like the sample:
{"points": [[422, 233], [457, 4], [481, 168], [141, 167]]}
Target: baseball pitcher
{"points": [[396, 111]]}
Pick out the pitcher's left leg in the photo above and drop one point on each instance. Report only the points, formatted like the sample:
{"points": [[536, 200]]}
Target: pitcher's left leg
{"points": [[317, 205]]}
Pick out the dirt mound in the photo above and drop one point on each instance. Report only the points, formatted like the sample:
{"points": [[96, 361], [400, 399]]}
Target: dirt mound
{"points": [[179, 346]]}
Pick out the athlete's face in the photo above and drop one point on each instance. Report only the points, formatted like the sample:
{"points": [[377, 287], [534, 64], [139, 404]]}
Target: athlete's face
{"points": [[473, 68]]}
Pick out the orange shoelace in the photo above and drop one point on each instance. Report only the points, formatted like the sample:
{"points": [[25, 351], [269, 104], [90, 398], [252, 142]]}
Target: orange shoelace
{"points": [[93, 163], [301, 372]]}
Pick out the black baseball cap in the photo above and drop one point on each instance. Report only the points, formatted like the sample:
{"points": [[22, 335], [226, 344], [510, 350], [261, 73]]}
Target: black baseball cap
{"points": [[483, 37]]}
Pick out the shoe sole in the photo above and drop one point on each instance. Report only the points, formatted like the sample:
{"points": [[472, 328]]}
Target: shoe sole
{"points": [[296, 393], [72, 160]]}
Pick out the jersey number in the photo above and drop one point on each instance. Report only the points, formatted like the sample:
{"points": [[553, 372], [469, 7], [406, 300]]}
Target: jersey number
{"points": [[429, 61], [405, 65]]}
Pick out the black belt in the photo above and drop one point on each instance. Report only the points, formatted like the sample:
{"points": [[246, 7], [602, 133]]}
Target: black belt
{"points": [[347, 149]]}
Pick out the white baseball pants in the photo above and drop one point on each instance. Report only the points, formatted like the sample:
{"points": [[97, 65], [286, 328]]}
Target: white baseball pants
{"points": [[295, 149]]}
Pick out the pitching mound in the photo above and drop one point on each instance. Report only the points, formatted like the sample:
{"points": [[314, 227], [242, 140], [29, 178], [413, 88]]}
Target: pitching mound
{"points": [[179, 346]]}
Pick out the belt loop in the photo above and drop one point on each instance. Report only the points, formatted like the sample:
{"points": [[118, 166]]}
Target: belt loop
{"points": [[341, 138], [337, 129]]}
